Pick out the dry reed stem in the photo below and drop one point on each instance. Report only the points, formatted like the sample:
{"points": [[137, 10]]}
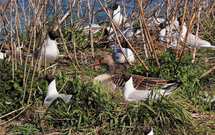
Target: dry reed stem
{"points": [[4, 123], [4, 12], [61, 35], [11, 39], [146, 31], [185, 39], [72, 38], [117, 39], [145, 47], [67, 14], [90, 26], [25, 69], [11, 112], [43, 33], [39, 89], [167, 19], [49, 67], [197, 31], [206, 73], [42, 40], [181, 27], [124, 38], [64, 84]]}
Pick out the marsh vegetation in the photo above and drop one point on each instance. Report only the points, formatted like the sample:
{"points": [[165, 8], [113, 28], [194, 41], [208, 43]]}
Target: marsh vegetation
{"points": [[188, 110]]}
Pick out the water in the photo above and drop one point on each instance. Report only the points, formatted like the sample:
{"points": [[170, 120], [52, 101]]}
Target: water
{"points": [[22, 4]]}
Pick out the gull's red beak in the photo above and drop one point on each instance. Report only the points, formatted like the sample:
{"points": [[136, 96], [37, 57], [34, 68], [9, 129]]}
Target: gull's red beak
{"points": [[42, 78]]}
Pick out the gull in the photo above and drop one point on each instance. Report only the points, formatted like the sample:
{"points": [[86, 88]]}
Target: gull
{"points": [[52, 91], [3, 52], [118, 17], [147, 129], [174, 35], [95, 28], [119, 57], [52, 51], [132, 94]]}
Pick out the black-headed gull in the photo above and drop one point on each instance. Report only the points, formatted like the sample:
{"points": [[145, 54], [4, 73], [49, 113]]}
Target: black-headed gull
{"points": [[95, 28], [191, 39], [132, 94], [3, 52], [52, 91], [128, 33], [172, 37], [147, 129], [118, 17], [175, 34], [52, 51], [118, 55]]}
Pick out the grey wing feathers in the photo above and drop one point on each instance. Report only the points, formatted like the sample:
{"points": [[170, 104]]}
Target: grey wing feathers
{"points": [[151, 83], [36, 52], [140, 94], [49, 99], [147, 83], [66, 98]]}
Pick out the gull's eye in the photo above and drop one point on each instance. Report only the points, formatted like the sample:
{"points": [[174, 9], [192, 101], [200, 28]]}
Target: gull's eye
{"points": [[47, 76]]}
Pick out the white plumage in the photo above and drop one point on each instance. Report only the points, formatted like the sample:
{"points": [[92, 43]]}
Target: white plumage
{"points": [[118, 55]]}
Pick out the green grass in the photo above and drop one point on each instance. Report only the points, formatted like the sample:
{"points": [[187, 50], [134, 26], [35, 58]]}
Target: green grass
{"points": [[96, 110]]}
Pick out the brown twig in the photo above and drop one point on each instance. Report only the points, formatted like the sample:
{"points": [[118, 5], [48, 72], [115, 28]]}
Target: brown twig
{"points": [[90, 26], [64, 84], [181, 27], [185, 39], [114, 29], [3, 123], [123, 37], [146, 32], [208, 72]]}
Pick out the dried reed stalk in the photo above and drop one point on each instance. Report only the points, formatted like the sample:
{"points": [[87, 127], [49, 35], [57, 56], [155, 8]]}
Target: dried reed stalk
{"points": [[64, 84], [72, 35], [167, 20], [145, 47], [181, 27], [4, 123], [44, 31], [90, 26], [4, 12], [11, 38], [146, 32], [197, 31], [49, 67], [185, 39], [208, 72], [42, 40], [117, 39], [61, 35]]}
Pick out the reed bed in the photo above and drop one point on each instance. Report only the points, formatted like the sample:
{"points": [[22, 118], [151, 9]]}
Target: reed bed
{"points": [[95, 111]]}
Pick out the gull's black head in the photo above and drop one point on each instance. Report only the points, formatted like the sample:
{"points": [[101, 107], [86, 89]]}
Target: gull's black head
{"points": [[53, 35], [48, 77], [146, 129], [125, 76]]}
